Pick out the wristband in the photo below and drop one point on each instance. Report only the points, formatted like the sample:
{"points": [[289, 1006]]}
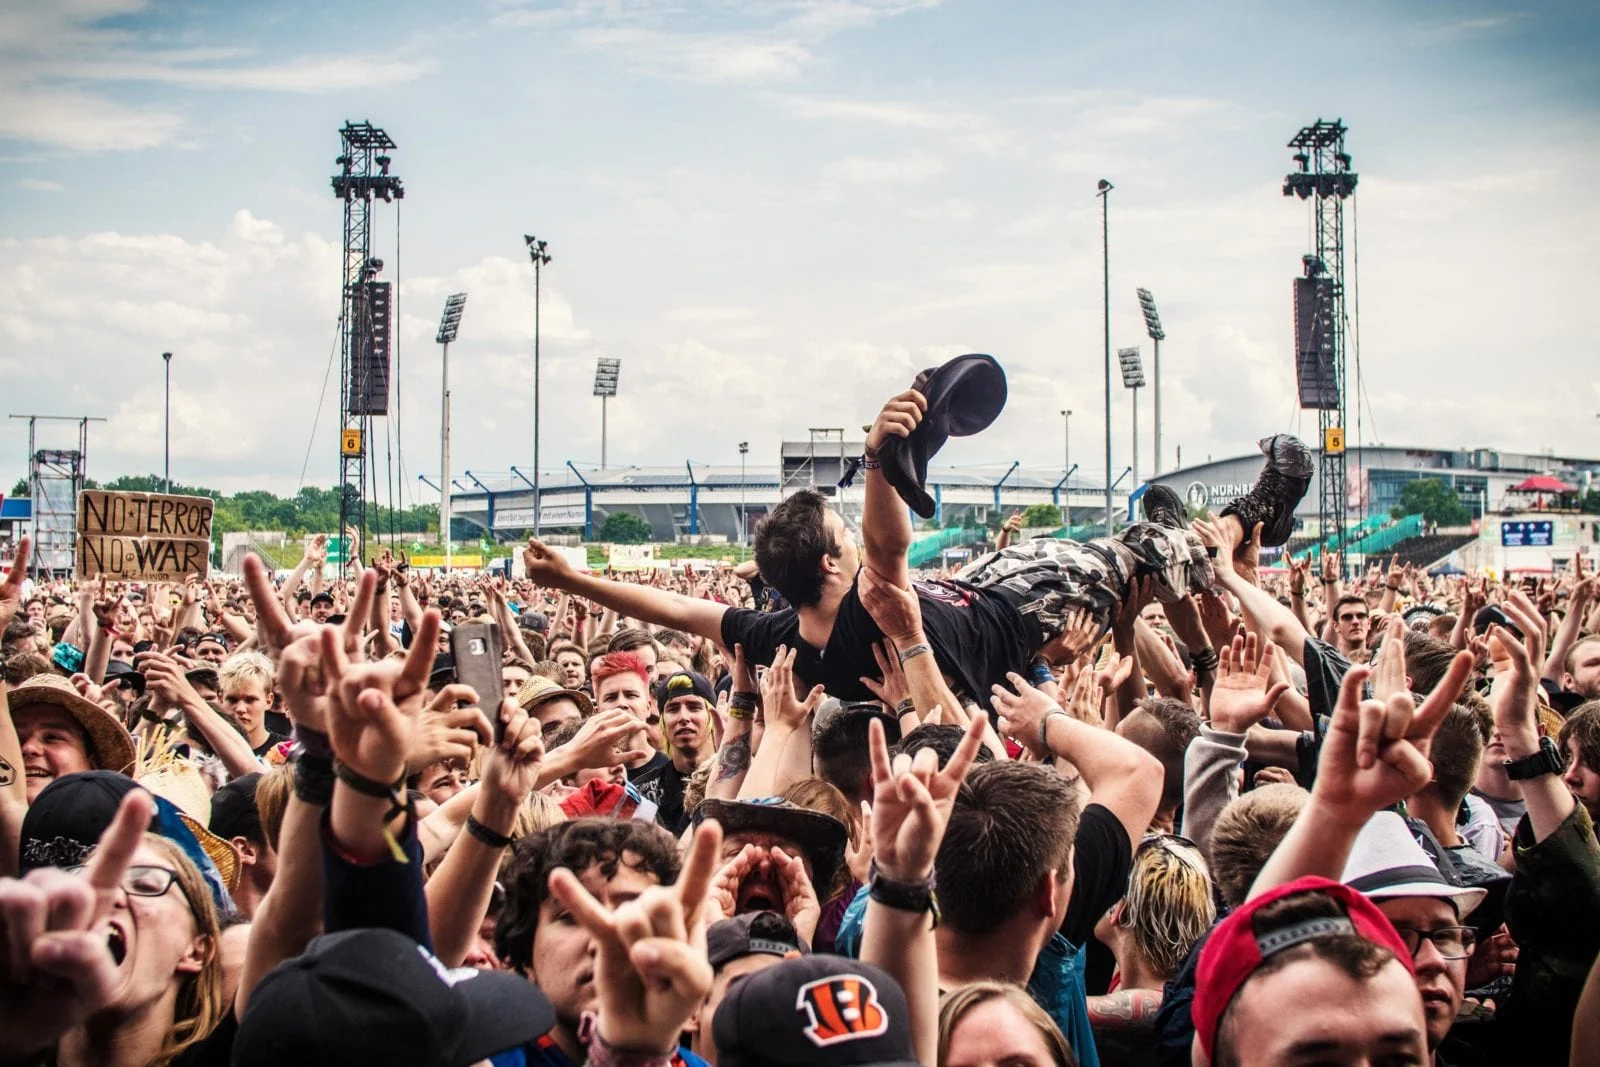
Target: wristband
{"points": [[904, 708], [1205, 659], [914, 897], [486, 835], [913, 652], [602, 1053], [742, 701], [313, 742], [313, 779], [400, 802], [1039, 674], [1044, 731]]}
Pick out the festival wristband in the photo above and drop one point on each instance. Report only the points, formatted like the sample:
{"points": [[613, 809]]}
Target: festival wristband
{"points": [[313, 779], [1039, 674], [486, 835], [1044, 730], [913, 652], [904, 708], [1205, 659]]}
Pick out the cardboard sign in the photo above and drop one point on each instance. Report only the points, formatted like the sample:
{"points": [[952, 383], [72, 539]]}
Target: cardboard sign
{"points": [[143, 536]]}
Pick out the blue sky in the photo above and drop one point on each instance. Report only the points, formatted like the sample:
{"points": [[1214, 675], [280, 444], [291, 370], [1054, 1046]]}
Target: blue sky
{"points": [[774, 213]]}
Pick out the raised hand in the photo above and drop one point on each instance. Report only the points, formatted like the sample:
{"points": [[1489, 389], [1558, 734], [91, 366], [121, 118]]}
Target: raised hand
{"points": [[893, 688], [595, 743], [374, 713], [512, 767], [448, 732], [11, 588], [911, 802], [800, 904], [1079, 632], [1244, 692], [1022, 713], [899, 417], [651, 971], [57, 969], [1389, 668], [780, 704], [545, 566]]}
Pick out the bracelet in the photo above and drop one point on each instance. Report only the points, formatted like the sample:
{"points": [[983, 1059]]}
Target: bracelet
{"points": [[400, 802], [870, 461], [913, 652], [486, 835], [1039, 674], [742, 701], [904, 708], [1044, 731], [602, 1053], [1205, 659], [313, 779]]}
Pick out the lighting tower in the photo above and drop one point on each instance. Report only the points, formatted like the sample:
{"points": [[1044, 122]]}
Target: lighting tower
{"points": [[606, 372], [1133, 378], [1104, 193], [537, 251], [364, 316], [449, 326], [1152, 326], [1323, 176]]}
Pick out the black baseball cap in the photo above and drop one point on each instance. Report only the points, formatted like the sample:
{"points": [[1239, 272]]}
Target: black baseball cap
{"points": [[813, 1010], [233, 809], [64, 823], [322, 598], [376, 996], [120, 673], [754, 933], [685, 683]]}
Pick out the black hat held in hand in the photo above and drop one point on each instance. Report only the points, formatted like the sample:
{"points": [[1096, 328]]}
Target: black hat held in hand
{"points": [[964, 397]]}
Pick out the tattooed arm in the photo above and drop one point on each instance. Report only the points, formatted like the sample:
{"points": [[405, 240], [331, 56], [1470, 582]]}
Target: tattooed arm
{"points": [[1126, 1009], [743, 706]]}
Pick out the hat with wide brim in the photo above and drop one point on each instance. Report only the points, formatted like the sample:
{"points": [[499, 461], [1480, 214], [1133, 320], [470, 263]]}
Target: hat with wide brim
{"points": [[964, 397], [111, 744], [821, 837], [181, 782], [539, 690]]}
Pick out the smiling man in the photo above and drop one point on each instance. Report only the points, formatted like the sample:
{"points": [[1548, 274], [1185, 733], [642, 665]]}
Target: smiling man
{"points": [[61, 733]]}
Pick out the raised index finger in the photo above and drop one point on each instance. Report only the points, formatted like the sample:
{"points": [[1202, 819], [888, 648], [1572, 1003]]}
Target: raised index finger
{"points": [[694, 881], [116, 847], [271, 619], [419, 660]]}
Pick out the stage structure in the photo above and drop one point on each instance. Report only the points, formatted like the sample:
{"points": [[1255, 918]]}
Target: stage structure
{"points": [[1322, 324], [55, 478], [364, 321]]}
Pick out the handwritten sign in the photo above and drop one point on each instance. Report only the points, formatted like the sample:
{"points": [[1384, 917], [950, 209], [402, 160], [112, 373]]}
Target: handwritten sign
{"points": [[143, 536]]}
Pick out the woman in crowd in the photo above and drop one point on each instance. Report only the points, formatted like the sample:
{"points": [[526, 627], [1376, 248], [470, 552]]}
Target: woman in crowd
{"points": [[993, 1022]]}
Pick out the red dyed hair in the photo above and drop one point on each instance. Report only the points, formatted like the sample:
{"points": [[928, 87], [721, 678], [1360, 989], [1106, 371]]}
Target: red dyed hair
{"points": [[614, 663]]}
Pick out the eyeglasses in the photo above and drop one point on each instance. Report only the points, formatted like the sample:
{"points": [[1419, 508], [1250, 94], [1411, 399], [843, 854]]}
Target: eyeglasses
{"points": [[1353, 618], [1453, 942], [142, 880]]}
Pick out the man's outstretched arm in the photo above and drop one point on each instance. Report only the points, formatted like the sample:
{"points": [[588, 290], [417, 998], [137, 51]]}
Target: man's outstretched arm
{"points": [[547, 567], [885, 523]]}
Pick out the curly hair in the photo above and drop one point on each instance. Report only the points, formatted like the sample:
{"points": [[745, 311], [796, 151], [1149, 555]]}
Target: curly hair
{"points": [[577, 845]]}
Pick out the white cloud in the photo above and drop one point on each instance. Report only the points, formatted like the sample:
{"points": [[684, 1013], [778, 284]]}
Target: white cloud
{"points": [[40, 185], [69, 118], [306, 74], [866, 170], [699, 57]]}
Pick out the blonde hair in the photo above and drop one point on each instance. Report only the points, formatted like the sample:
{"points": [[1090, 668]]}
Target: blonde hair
{"points": [[958, 1002], [539, 811], [246, 667], [200, 1007], [1168, 906]]}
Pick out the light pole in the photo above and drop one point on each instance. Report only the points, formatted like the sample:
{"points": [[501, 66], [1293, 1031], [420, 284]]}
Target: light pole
{"points": [[1104, 194], [449, 326], [1152, 326], [1066, 443], [166, 428], [606, 372], [1133, 378], [537, 253], [744, 522]]}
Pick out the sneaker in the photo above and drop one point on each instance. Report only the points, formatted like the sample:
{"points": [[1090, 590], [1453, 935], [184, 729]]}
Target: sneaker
{"points": [[1278, 489], [1162, 507]]}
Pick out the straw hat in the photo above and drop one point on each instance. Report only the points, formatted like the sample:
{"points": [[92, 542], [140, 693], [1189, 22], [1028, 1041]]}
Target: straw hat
{"points": [[539, 689], [181, 782], [111, 747]]}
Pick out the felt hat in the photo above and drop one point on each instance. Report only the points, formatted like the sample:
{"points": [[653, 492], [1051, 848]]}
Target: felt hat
{"points": [[820, 836], [1386, 862], [538, 689], [964, 397]]}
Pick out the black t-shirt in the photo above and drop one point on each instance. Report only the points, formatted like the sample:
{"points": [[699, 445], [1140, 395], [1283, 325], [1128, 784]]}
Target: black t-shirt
{"points": [[977, 636], [272, 741], [660, 782], [1325, 668], [1102, 858]]}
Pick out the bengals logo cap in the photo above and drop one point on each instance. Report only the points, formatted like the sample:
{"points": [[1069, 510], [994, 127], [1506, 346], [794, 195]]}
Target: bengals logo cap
{"points": [[814, 1010]]}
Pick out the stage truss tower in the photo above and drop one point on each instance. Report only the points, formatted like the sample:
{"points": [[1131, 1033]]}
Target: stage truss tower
{"points": [[364, 320], [1322, 325]]}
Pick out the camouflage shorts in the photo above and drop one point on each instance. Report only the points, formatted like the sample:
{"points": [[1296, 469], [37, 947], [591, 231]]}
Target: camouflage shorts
{"points": [[1048, 578]]}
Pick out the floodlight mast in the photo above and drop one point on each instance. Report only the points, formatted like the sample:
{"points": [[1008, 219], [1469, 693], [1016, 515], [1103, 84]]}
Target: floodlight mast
{"points": [[1133, 378], [449, 325], [1152, 327], [606, 372], [1323, 176], [1104, 193]]}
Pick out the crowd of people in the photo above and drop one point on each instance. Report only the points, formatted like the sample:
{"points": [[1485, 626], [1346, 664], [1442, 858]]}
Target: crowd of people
{"points": [[1139, 800]]}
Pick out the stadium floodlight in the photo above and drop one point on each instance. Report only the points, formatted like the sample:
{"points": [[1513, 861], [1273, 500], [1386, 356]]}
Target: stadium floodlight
{"points": [[449, 326], [606, 372], [1133, 378], [1152, 326], [450, 321]]}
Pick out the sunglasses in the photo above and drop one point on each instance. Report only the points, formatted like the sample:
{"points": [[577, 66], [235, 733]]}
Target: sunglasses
{"points": [[1353, 617]]}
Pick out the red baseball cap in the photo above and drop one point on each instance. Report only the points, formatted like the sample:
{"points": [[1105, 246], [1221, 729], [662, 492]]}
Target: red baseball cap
{"points": [[1234, 950]]}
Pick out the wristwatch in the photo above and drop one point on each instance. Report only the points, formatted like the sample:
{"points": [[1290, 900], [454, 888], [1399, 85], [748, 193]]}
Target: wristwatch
{"points": [[1545, 761]]}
